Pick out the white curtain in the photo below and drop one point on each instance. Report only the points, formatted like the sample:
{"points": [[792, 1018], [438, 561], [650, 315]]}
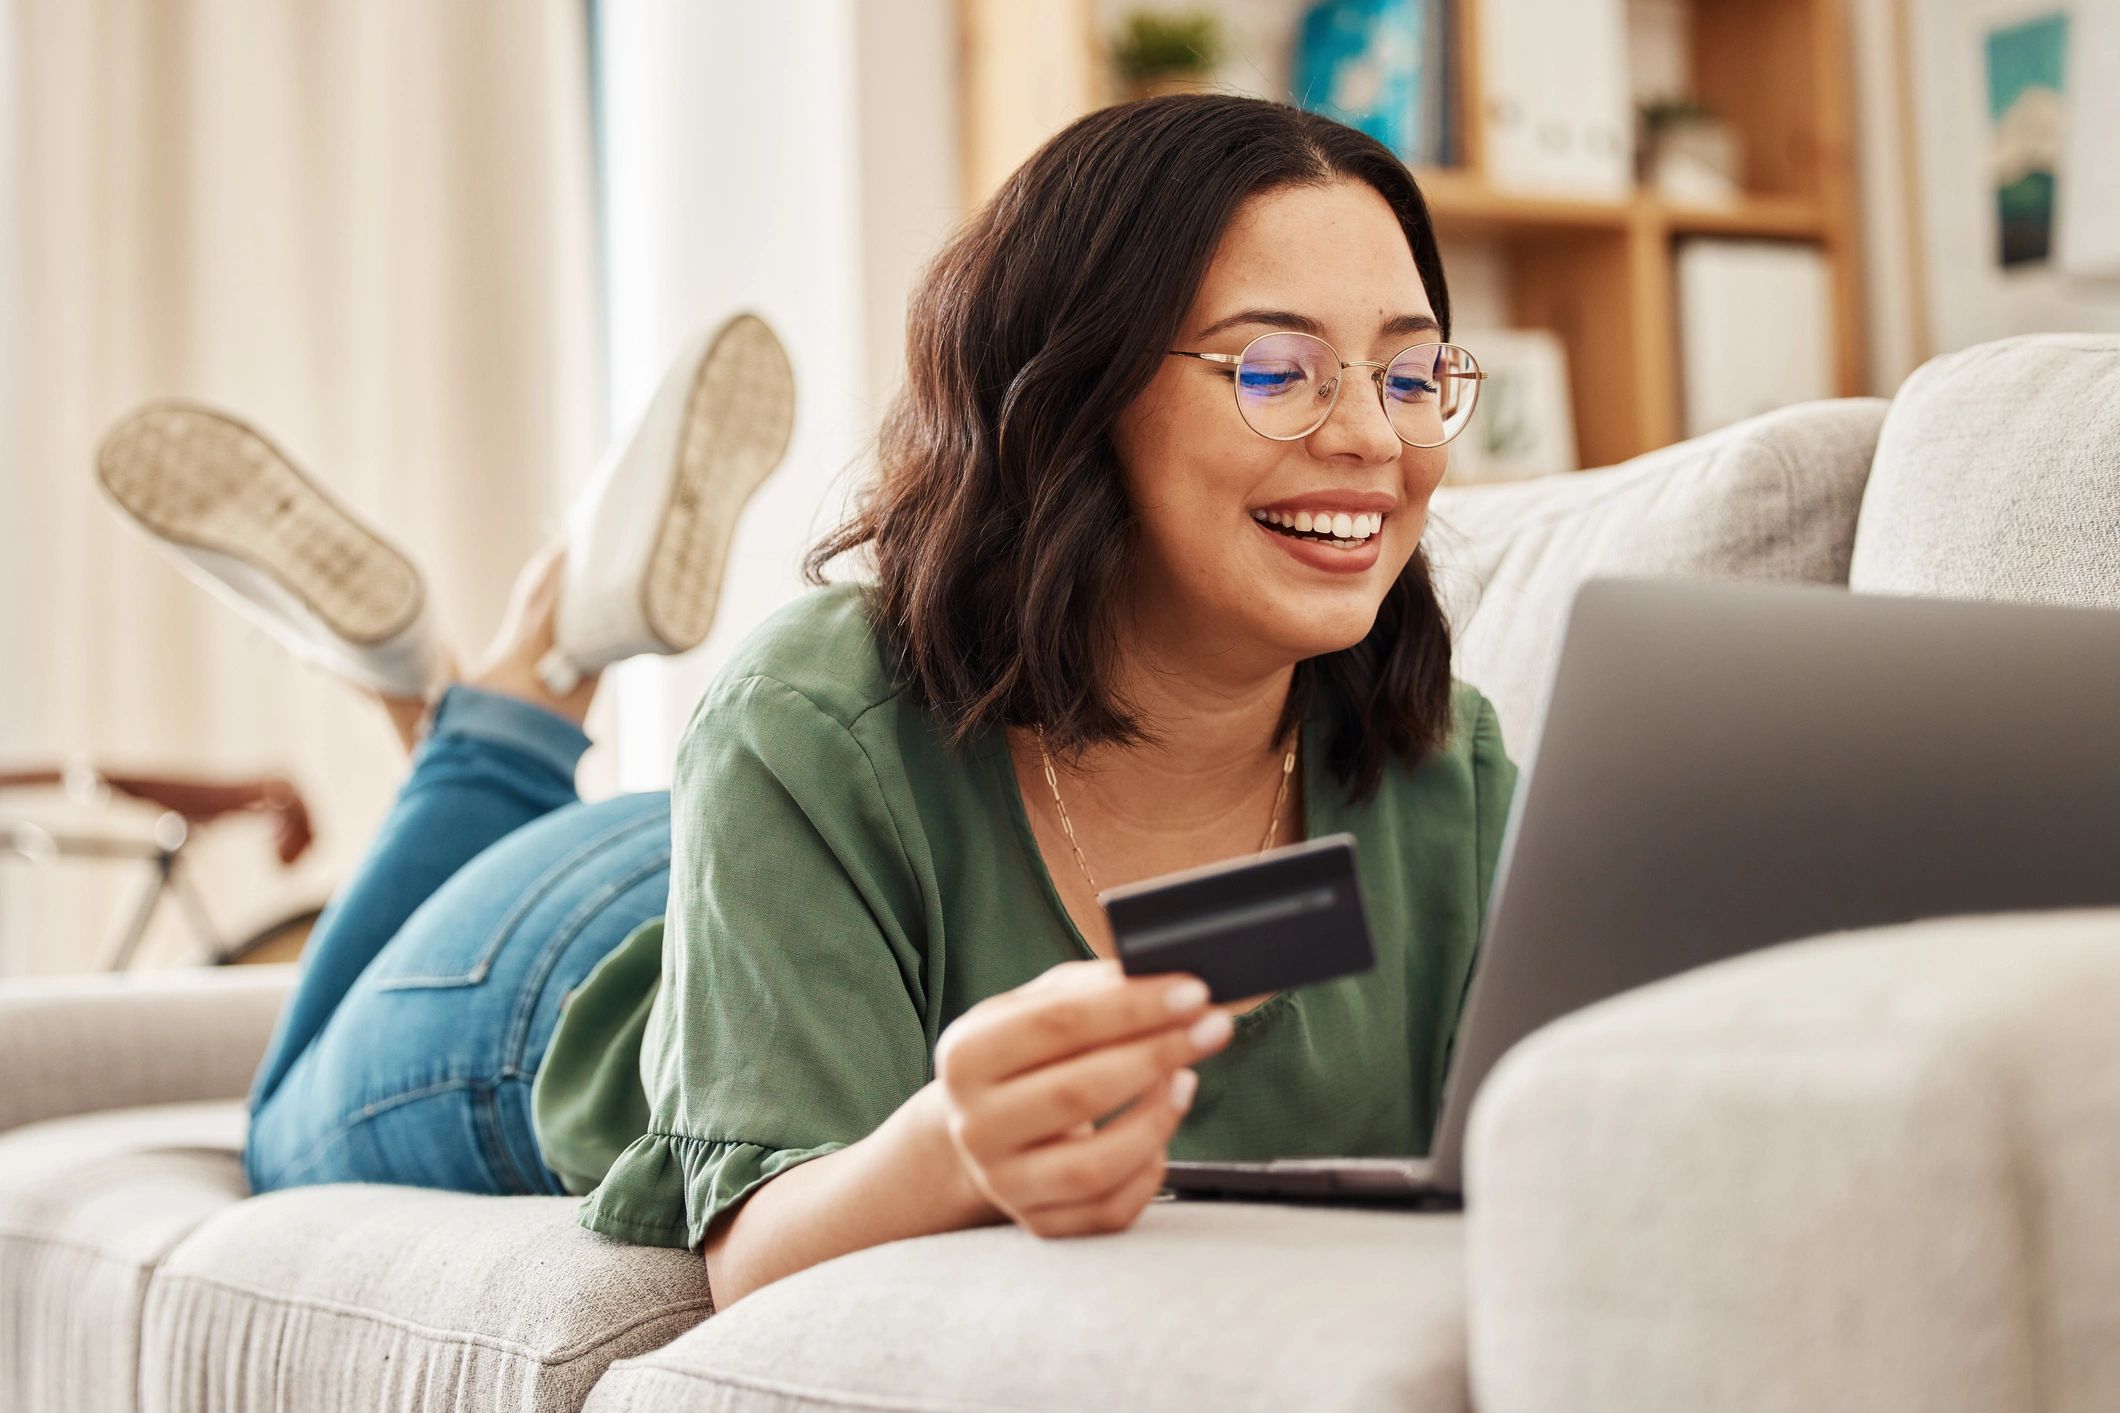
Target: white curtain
{"points": [[843, 185], [367, 226]]}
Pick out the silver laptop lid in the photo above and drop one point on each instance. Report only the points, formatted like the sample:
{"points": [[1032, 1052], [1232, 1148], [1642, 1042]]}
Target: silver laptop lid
{"points": [[1727, 765]]}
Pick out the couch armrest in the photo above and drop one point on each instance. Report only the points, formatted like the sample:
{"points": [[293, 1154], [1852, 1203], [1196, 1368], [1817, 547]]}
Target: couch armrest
{"points": [[72, 1045], [1772, 498], [1875, 1170]]}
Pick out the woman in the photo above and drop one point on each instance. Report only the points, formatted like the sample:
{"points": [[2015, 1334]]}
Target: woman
{"points": [[1149, 594]]}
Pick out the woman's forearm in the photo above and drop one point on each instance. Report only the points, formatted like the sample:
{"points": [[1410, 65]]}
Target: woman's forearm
{"points": [[903, 1180]]}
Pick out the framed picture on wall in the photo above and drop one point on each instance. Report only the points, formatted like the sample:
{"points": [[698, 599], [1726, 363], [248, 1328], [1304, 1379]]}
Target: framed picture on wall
{"points": [[1523, 424], [2015, 192]]}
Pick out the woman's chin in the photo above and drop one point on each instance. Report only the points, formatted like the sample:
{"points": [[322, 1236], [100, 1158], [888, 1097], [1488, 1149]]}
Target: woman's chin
{"points": [[1322, 634]]}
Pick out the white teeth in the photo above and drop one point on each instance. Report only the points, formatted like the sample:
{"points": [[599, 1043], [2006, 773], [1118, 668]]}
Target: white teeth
{"points": [[1345, 529]]}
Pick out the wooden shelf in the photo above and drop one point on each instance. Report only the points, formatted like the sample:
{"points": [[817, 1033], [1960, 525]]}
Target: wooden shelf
{"points": [[1462, 203], [1792, 218]]}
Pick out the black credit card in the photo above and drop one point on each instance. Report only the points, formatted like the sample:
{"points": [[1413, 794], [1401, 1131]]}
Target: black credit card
{"points": [[1284, 918]]}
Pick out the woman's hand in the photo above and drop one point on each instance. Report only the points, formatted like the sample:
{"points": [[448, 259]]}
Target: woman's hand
{"points": [[1025, 1074]]}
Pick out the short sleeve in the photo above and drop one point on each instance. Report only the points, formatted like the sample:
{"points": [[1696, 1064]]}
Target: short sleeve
{"points": [[789, 1020], [1493, 789]]}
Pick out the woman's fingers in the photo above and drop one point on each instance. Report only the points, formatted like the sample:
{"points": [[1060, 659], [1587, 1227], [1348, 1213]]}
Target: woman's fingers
{"points": [[1024, 1076], [1071, 1172], [1115, 1211], [1038, 1104], [1074, 1007]]}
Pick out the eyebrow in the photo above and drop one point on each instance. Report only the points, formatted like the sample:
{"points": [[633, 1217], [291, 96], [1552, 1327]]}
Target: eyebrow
{"points": [[1404, 324]]}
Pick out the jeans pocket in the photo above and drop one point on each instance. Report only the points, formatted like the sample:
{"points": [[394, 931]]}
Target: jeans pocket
{"points": [[542, 870]]}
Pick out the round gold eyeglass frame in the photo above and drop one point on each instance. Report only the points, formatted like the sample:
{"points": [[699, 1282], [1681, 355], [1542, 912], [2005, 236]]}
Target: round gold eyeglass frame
{"points": [[1470, 373]]}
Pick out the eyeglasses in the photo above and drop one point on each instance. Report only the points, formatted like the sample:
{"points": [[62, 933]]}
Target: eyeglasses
{"points": [[1286, 385]]}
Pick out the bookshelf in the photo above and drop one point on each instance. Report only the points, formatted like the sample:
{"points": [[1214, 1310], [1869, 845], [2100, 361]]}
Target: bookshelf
{"points": [[1600, 273]]}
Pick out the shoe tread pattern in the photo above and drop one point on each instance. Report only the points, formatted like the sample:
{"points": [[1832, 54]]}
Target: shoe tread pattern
{"points": [[738, 418], [200, 478]]}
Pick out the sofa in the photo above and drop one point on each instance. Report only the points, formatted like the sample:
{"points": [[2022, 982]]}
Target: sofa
{"points": [[1878, 1170]]}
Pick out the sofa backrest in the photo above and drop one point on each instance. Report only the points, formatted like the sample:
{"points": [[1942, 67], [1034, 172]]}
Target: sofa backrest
{"points": [[1773, 497], [1998, 476]]}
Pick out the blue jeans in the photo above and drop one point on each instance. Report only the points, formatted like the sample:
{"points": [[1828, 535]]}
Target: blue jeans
{"points": [[431, 985]]}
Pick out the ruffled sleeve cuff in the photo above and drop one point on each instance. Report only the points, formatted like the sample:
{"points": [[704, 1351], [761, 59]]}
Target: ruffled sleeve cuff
{"points": [[666, 1188]]}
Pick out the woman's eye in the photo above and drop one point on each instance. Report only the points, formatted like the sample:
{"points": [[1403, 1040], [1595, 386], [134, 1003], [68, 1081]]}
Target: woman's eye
{"points": [[1410, 389], [1252, 379]]}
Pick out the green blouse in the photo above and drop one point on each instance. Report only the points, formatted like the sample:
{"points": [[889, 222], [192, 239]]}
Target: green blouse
{"points": [[842, 887]]}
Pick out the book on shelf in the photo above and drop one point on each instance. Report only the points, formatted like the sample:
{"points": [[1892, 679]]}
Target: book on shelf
{"points": [[1383, 67], [1554, 92], [1755, 328]]}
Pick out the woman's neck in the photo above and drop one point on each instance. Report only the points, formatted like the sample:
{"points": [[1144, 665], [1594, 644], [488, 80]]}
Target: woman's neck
{"points": [[1215, 757]]}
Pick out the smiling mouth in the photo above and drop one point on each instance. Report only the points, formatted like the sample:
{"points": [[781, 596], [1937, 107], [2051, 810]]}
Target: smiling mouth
{"points": [[1364, 528]]}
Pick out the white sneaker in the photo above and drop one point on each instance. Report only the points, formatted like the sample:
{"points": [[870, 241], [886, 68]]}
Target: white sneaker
{"points": [[244, 521], [648, 541]]}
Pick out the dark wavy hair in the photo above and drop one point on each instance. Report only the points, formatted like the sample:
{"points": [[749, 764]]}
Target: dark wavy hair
{"points": [[998, 519]]}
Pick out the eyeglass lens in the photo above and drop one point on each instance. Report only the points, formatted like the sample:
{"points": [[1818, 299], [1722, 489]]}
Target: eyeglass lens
{"points": [[1286, 385]]}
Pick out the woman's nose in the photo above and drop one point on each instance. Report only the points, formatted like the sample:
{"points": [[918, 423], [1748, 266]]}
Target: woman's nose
{"points": [[1357, 425]]}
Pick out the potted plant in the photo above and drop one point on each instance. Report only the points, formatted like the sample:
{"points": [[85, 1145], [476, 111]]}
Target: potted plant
{"points": [[1689, 153], [1158, 52]]}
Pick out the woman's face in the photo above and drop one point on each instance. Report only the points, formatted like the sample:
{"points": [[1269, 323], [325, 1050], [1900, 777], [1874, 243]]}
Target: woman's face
{"points": [[1330, 261]]}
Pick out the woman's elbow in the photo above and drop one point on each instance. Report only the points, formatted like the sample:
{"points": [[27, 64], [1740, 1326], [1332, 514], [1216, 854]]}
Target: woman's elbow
{"points": [[725, 1278]]}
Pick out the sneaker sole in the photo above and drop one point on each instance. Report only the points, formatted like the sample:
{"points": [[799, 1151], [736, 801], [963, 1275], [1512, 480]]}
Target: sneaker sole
{"points": [[201, 478], [739, 416]]}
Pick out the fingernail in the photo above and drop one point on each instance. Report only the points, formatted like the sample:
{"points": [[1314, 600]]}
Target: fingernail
{"points": [[1211, 1029], [1186, 995], [1183, 1085]]}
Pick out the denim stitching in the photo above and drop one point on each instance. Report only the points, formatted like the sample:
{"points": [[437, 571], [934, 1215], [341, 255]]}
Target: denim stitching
{"points": [[531, 1183], [515, 1047], [485, 1116], [515, 915], [563, 937], [355, 1119], [486, 1122]]}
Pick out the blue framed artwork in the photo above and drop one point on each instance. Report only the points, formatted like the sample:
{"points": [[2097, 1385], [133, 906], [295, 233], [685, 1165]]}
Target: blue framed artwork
{"points": [[2025, 67]]}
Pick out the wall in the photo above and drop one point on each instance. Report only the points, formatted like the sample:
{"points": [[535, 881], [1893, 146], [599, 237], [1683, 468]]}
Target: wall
{"points": [[1968, 298], [796, 160]]}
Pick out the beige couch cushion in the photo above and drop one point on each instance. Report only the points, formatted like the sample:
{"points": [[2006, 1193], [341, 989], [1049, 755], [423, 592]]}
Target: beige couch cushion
{"points": [[75, 1044], [88, 1206], [1998, 476], [1198, 1305], [1773, 497], [1877, 1171], [365, 1296]]}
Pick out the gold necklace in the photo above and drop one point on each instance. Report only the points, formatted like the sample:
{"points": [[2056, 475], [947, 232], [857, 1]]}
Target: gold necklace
{"points": [[1052, 781]]}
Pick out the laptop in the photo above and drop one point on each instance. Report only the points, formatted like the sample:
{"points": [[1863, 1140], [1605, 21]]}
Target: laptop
{"points": [[1724, 766]]}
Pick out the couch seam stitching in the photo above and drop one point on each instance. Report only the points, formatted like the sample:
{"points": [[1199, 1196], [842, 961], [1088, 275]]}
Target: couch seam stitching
{"points": [[566, 1354], [835, 1397], [37, 1238]]}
